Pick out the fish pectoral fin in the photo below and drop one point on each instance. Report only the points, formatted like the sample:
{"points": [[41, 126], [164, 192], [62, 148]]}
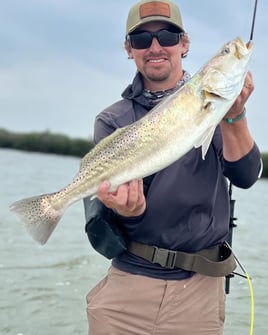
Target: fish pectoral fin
{"points": [[209, 95], [205, 140], [208, 99]]}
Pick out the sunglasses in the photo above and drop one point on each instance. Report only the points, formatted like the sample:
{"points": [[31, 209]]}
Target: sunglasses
{"points": [[143, 40]]}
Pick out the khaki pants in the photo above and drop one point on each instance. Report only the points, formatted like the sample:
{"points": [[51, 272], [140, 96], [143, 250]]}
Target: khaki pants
{"points": [[126, 304]]}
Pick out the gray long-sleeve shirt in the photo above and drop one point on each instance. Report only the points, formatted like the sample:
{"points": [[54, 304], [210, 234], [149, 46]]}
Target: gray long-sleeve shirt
{"points": [[187, 202]]}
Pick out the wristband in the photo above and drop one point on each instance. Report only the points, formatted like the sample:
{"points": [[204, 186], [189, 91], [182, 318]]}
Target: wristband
{"points": [[235, 119]]}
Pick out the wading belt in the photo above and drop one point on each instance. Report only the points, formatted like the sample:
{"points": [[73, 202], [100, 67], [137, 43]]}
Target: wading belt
{"points": [[215, 262]]}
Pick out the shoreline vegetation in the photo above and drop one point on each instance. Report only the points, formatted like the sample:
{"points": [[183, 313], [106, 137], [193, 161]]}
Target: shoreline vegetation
{"points": [[47, 142]]}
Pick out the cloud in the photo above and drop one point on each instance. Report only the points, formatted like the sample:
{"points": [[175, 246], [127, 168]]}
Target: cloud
{"points": [[56, 95], [62, 62]]}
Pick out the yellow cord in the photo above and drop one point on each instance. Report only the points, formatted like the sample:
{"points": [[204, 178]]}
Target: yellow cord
{"points": [[252, 303], [250, 290]]}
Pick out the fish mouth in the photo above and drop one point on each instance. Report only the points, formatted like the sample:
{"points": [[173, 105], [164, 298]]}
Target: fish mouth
{"points": [[242, 49], [249, 45]]}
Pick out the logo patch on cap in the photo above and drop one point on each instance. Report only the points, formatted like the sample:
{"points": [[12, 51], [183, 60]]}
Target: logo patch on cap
{"points": [[154, 8]]}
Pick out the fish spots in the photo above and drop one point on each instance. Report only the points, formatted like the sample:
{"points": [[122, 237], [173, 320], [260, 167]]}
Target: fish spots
{"points": [[30, 209]]}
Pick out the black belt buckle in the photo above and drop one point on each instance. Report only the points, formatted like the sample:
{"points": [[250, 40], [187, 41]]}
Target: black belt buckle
{"points": [[166, 258]]}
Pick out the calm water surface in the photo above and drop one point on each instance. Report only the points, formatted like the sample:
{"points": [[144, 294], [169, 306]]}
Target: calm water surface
{"points": [[43, 289]]}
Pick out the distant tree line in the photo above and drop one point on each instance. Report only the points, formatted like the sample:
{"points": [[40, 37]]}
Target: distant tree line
{"points": [[45, 142], [265, 164], [61, 144]]}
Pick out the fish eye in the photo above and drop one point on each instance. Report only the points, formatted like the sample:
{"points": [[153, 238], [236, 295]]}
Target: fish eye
{"points": [[225, 51]]}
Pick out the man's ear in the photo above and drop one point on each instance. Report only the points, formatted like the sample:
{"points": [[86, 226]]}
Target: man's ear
{"points": [[185, 44], [128, 50]]}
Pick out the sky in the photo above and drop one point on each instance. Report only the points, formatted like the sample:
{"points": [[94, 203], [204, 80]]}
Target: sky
{"points": [[63, 61]]}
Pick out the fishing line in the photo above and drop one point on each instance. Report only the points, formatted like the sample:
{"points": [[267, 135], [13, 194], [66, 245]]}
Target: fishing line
{"points": [[253, 21], [246, 275]]}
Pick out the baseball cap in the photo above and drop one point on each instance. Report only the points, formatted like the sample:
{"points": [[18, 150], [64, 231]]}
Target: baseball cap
{"points": [[147, 11]]}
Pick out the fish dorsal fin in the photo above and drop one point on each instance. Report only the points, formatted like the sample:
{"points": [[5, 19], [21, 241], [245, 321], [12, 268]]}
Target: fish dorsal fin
{"points": [[205, 140]]}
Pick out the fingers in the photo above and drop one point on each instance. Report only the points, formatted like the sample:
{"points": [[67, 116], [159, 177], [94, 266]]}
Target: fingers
{"points": [[127, 200], [103, 189], [247, 89], [105, 195], [134, 196], [248, 84], [241, 100]]}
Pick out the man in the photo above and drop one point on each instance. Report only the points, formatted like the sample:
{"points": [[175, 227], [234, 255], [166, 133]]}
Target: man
{"points": [[186, 207]]}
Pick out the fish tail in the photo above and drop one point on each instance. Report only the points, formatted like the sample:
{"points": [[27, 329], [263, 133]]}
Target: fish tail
{"points": [[38, 215]]}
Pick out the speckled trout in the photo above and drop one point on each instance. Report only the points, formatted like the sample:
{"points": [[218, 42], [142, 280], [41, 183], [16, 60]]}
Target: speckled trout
{"points": [[186, 119]]}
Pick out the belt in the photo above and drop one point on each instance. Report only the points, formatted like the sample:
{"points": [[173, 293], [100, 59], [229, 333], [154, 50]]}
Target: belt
{"points": [[215, 262]]}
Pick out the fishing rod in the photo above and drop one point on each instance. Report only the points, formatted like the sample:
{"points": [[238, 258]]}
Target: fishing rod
{"points": [[253, 20]]}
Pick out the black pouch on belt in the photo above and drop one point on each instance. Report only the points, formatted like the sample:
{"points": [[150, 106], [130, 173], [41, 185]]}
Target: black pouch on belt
{"points": [[103, 232]]}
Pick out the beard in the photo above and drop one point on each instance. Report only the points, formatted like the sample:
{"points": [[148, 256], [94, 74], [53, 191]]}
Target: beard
{"points": [[157, 72], [157, 76]]}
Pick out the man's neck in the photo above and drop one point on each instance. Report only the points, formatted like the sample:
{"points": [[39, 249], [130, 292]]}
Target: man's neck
{"points": [[155, 86], [157, 95]]}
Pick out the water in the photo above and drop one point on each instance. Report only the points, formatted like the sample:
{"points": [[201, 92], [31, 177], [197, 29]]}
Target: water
{"points": [[43, 289]]}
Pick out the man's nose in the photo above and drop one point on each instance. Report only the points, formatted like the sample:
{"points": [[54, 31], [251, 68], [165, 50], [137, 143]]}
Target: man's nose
{"points": [[155, 44]]}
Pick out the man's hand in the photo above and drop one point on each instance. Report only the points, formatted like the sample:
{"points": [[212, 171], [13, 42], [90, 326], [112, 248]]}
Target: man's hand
{"points": [[241, 100], [128, 200], [237, 140]]}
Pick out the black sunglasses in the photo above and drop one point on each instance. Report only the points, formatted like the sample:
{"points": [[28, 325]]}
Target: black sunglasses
{"points": [[143, 40]]}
